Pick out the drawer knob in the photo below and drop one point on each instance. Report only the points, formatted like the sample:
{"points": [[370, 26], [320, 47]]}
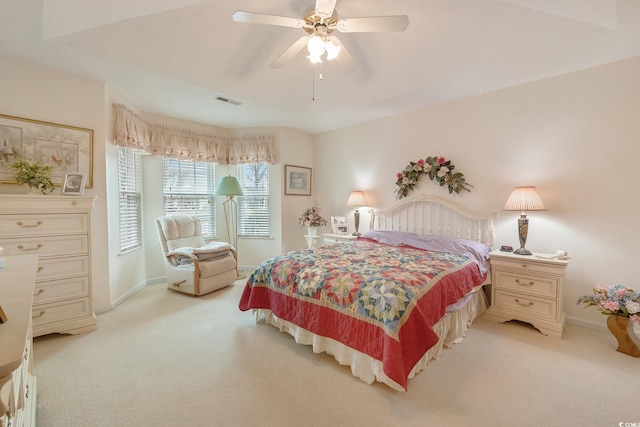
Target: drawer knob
{"points": [[22, 248], [523, 304], [22, 224], [40, 291], [40, 314], [525, 284]]}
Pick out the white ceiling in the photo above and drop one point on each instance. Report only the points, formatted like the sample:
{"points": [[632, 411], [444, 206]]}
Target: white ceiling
{"points": [[174, 57]]}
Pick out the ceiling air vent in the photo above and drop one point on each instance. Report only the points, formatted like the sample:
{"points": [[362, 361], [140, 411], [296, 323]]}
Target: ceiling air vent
{"points": [[227, 100]]}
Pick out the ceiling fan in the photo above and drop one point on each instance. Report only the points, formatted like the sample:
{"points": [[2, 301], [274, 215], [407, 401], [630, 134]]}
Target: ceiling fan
{"points": [[319, 23]]}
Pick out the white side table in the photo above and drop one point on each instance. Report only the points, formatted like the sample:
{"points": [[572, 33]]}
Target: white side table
{"points": [[312, 241], [329, 239], [528, 288]]}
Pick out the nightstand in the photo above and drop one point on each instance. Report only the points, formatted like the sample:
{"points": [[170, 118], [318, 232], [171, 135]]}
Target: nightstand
{"points": [[329, 239], [528, 288]]}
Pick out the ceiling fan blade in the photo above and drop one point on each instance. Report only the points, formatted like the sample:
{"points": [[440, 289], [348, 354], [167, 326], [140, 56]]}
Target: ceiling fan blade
{"points": [[373, 24], [291, 51], [262, 18], [325, 8]]}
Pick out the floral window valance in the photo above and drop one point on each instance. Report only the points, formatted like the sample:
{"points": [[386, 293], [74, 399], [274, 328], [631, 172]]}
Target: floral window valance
{"points": [[132, 131]]}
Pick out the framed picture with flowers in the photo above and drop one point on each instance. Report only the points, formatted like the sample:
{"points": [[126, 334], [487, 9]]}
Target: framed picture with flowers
{"points": [[297, 180], [339, 225]]}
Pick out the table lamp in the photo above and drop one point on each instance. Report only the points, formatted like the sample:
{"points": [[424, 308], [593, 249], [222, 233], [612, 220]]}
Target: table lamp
{"points": [[524, 199], [356, 198]]}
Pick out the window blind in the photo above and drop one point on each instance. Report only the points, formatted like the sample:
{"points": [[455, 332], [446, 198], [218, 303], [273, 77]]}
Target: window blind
{"points": [[130, 209], [188, 189], [253, 207]]}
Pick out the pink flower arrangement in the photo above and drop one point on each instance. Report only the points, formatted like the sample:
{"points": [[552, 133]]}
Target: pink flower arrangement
{"points": [[312, 217], [438, 169], [616, 300]]}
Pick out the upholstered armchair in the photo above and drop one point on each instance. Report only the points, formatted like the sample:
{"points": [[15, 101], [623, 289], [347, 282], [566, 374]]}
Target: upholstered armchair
{"points": [[192, 265]]}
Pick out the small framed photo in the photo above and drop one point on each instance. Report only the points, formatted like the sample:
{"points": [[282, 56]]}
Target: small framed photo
{"points": [[297, 180], [339, 225], [74, 184]]}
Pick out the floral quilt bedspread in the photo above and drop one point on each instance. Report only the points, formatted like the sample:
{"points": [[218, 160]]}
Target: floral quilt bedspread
{"points": [[378, 299]]}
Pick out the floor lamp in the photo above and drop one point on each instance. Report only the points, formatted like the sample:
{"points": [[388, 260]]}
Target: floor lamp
{"points": [[230, 187]]}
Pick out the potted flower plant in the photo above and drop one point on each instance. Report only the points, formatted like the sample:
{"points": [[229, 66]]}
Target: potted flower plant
{"points": [[33, 174], [622, 305]]}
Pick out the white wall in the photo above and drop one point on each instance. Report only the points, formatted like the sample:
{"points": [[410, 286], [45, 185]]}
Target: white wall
{"points": [[46, 94], [575, 137]]}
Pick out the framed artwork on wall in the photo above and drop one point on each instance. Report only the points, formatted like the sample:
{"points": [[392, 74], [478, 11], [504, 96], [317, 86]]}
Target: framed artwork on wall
{"points": [[297, 180], [67, 149]]}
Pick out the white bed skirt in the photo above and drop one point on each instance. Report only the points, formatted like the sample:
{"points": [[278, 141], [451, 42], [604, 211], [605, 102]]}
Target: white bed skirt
{"points": [[451, 329]]}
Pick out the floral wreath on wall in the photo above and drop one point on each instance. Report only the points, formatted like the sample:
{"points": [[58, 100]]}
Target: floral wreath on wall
{"points": [[436, 168]]}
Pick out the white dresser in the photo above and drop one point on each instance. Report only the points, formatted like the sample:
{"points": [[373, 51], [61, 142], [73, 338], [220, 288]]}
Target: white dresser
{"points": [[17, 383], [57, 229]]}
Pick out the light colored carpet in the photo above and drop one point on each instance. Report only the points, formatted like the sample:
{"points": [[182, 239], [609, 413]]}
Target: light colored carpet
{"points": [[167, 359]]}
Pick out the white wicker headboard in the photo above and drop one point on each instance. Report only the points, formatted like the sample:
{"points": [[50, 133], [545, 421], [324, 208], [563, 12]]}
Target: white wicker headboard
{"points": [[425, 215]]}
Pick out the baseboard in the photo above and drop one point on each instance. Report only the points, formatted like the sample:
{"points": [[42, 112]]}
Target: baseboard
{"points": [[129, 294], [602, 327]]}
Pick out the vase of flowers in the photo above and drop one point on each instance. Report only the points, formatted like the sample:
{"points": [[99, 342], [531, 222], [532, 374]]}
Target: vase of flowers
{"points": [[312, 219], [622, 306]]}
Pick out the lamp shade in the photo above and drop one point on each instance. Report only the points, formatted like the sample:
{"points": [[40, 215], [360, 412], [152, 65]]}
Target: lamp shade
{"points": [[229, 186], [524, 199], [356, 198]]}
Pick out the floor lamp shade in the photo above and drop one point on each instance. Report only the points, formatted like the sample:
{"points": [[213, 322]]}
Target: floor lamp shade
{"points": [[356, 198], [229, 186], [524, 199]]}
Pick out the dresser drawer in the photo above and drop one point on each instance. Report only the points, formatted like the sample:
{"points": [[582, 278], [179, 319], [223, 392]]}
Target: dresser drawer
{"points": [[525, 304], [58, 268], [53, 290], [40, 225], [535, 285], [60, 311], [46, 246]]}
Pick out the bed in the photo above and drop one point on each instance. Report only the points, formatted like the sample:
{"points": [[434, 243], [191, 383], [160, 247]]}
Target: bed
{"points": [[389, 302]]}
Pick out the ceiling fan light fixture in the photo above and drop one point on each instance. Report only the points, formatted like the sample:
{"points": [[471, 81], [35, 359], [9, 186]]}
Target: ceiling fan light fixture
{"points": [[315, 46], [333, 50], [315, 59]]}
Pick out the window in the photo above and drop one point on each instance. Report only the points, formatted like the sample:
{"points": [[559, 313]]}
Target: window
{"points": [[129, 179], [253, 207], [188, 189]]}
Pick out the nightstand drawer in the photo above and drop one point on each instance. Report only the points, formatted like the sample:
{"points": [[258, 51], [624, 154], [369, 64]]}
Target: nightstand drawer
{"points": [[534, 265], [526, 304], [536, 285]]}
